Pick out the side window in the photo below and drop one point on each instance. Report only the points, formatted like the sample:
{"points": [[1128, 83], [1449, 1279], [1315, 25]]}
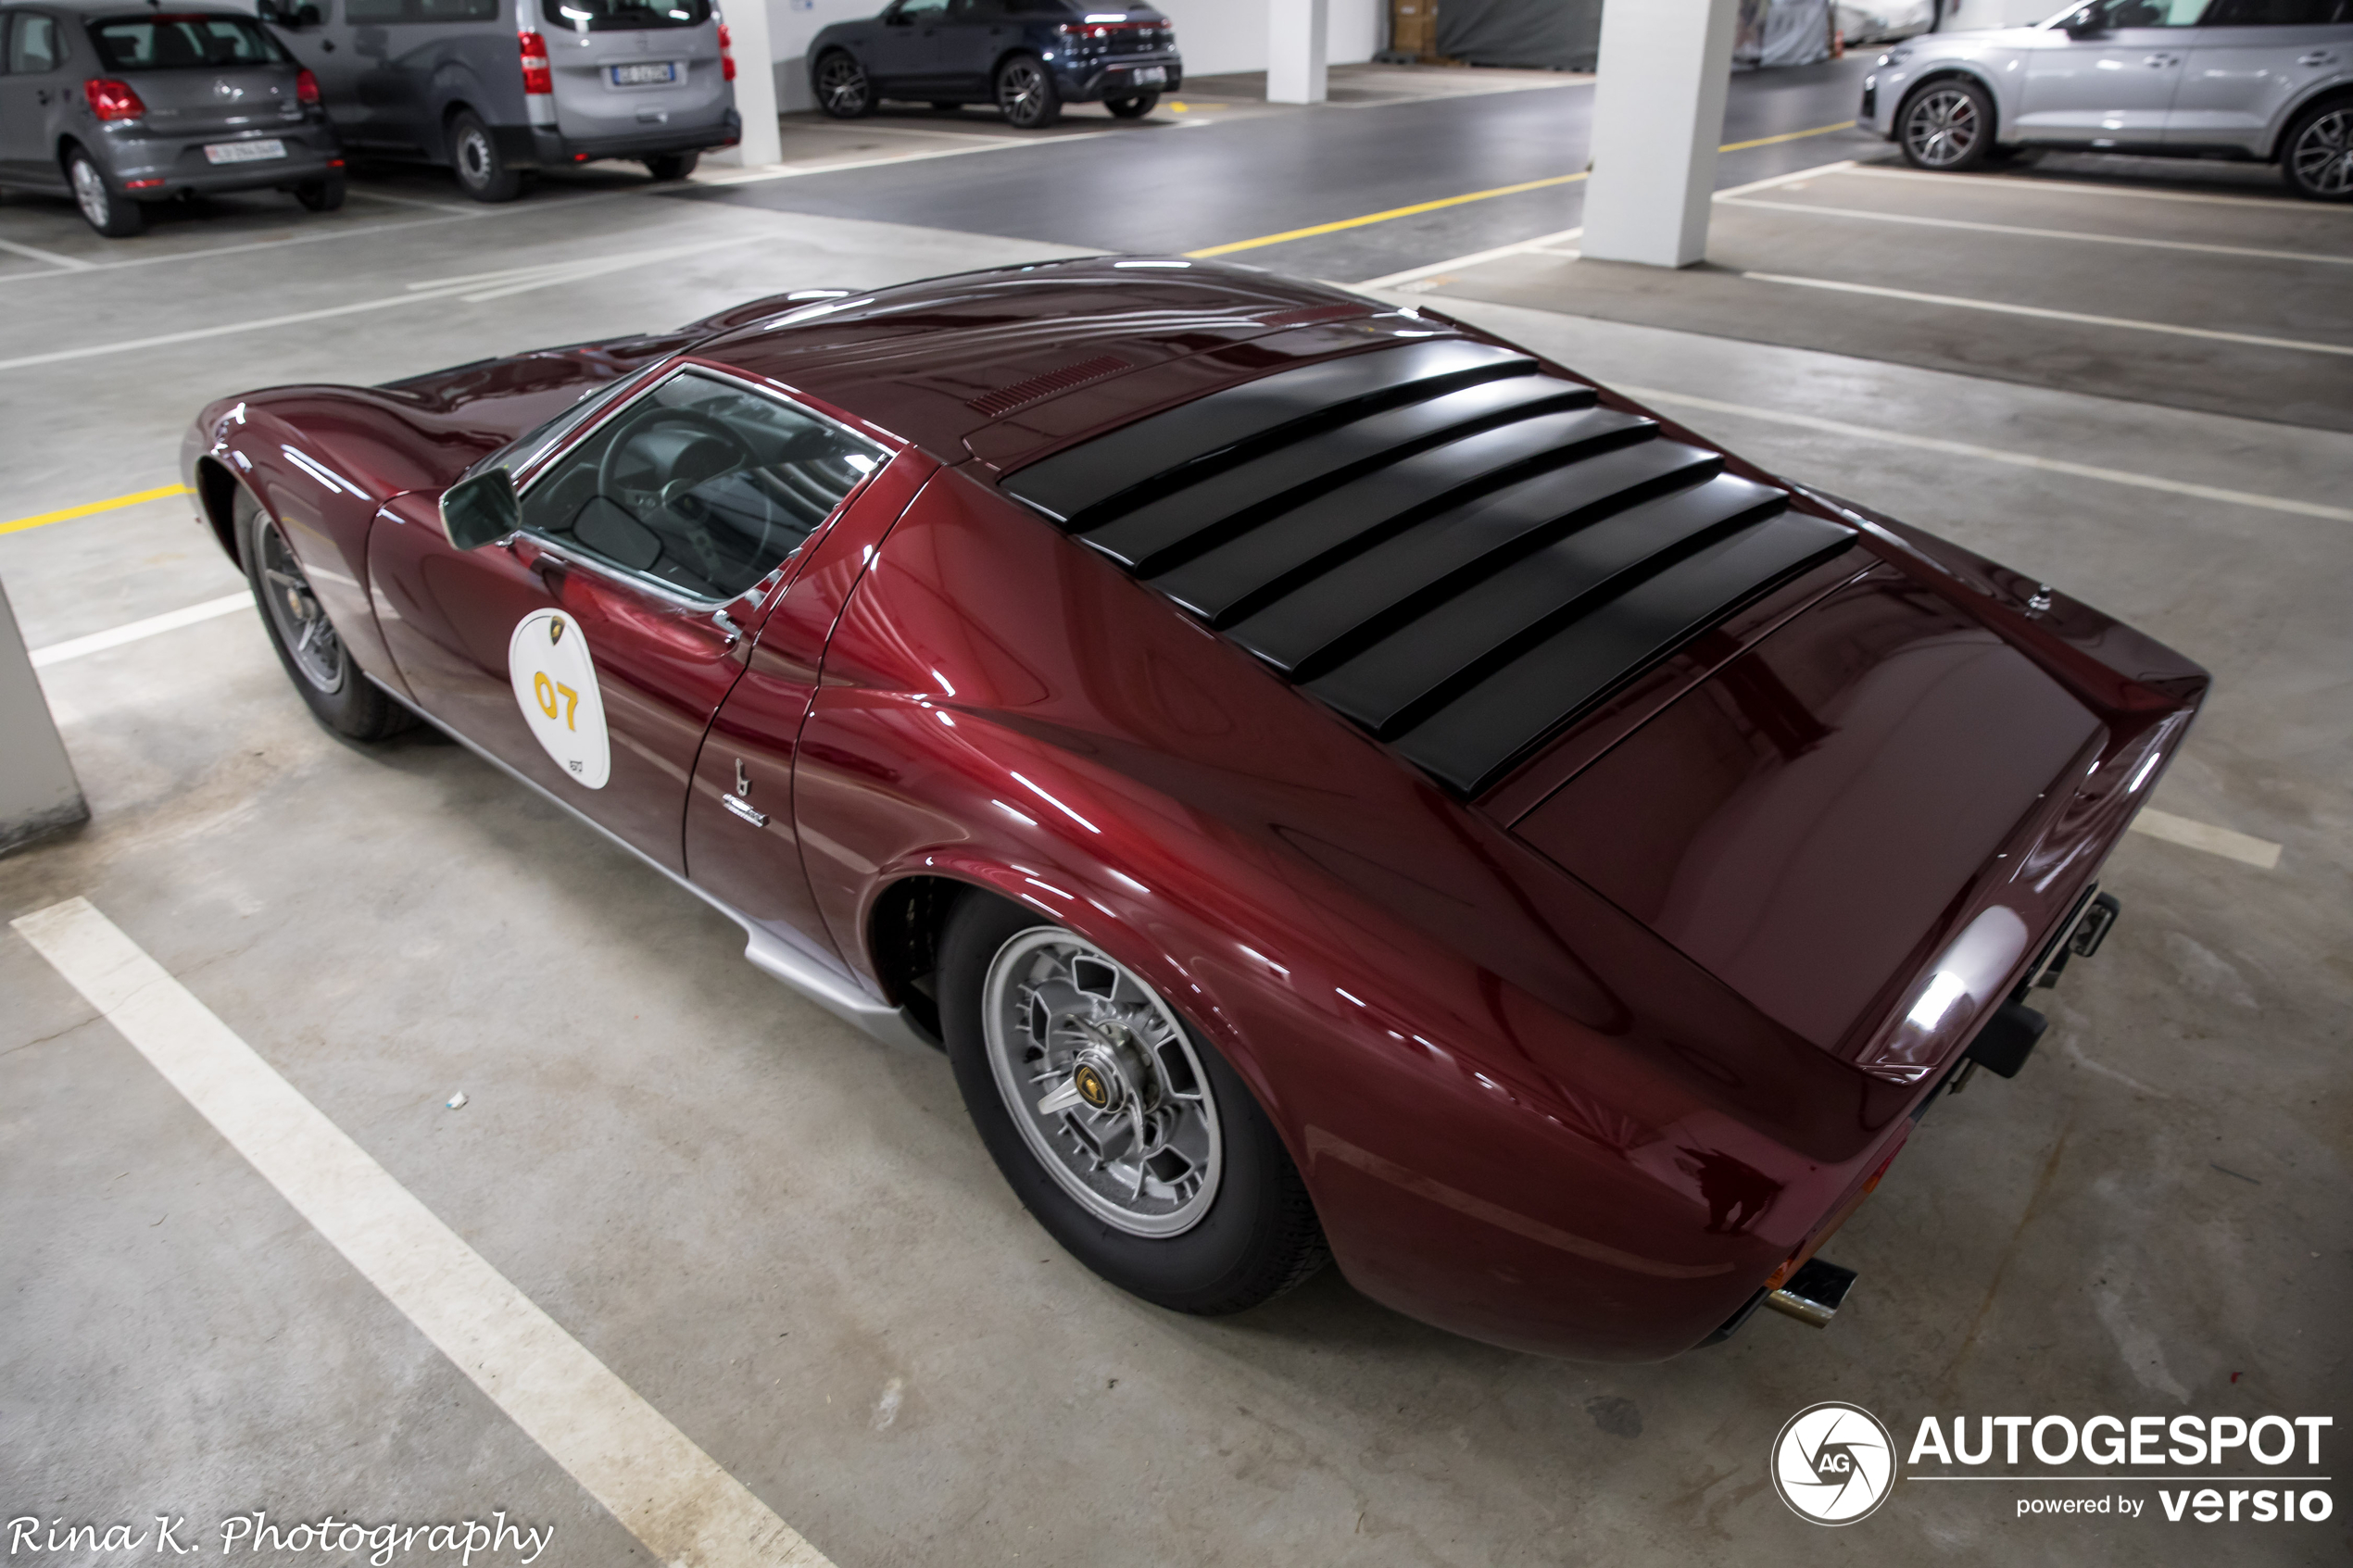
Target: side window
{"points": [[920, 11], [2110, 15], [700, 485], [34, 45], [2279, 13]]}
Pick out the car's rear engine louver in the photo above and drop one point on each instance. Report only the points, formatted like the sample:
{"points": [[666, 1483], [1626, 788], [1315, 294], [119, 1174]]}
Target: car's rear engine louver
{"points": [[1456, 552], [1005, 400]]}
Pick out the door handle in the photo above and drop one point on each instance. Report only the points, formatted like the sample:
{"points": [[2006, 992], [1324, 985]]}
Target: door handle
{"points": [[2160, 61], [2317, 58], [726, 623]]}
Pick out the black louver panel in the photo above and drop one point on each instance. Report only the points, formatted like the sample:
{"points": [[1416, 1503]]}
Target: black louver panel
{"points": [[1455, 552]]}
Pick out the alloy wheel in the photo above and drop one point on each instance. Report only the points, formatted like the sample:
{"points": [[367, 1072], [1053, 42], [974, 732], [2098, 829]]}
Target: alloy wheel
{"points": [[294, 612], [1020, 92], [90, 193], [2323, 156], [841, 82], [1941, 128], [1103, 1083]]}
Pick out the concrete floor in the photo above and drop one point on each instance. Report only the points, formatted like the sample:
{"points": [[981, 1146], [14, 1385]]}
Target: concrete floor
{"points": [[787, 1238]]}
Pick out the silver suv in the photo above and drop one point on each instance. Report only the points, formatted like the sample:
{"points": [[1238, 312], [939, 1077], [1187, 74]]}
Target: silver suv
{"points": [[115, 105], [2269, 80], [501, 89]]}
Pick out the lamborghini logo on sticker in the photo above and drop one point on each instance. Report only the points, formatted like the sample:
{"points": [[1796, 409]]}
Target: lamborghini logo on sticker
{"points": [[554, 631]]}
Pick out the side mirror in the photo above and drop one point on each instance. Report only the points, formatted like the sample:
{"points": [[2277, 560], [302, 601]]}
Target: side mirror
{"points": [[2085, 23], [480, 511], [305, 16]]}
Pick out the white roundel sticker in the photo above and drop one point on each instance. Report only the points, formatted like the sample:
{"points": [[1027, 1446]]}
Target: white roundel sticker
{"points": [[555, 682]]}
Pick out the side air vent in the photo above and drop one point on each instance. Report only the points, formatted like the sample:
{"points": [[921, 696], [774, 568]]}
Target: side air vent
{"points": [[1450, 550], [1005, 400]]}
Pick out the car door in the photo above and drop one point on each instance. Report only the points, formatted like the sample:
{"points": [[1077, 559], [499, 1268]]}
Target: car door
{"points": [[2108, 73], [33, 97], [966, 45], [2251, 58], [905, 51], [589, 650]]}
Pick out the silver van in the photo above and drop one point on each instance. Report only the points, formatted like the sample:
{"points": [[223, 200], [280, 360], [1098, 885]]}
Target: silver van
{"points": [[501, 89]]}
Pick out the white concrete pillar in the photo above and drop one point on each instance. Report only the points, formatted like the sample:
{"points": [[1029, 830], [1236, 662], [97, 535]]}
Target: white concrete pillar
{"points": [[38, 793], [1298, 39], [1658, 118], [748, 39]]}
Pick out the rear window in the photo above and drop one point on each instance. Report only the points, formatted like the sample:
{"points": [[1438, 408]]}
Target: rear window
{"points": [[609, 16], [183, 43], [397, 11]]}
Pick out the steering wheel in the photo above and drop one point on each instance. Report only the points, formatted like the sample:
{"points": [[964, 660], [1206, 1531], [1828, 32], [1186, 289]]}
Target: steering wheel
{"points": [[639, 500]]}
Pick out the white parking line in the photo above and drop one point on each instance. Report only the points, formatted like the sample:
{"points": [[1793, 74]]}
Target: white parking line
{"points": [[50, 258], [2039, 312], [2083, 187], [311, 236], [1994, 455], [992, 144], [2043, 234], [2259, 852], [649, 1475], [138, 630]]}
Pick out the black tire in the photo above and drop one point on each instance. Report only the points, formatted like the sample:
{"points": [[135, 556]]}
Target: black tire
{"points": [[321, 196], [842, 85], [483, 170], [1026, 96], [103, 208], [2316, 156], [1134, 107], [321, 669], [1257, 1238], [673, 166], [1946, 126]]}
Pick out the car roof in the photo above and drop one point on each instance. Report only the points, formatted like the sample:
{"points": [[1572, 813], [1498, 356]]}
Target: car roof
{"points": [[115, 10]]}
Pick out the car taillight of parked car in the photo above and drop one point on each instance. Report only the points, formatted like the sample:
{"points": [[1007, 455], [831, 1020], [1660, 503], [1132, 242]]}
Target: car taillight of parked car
{"points": [[726, 54], [537, 76], [110, 99], [305, 87]]}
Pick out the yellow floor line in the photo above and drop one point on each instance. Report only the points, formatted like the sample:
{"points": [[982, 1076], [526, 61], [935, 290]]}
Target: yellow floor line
{"points": [[1786, 136], [159, 493]]}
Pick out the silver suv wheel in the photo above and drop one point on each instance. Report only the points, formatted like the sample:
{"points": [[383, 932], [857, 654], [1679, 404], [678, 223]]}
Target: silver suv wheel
{"points": [[1942, 126], [2319, 161], [1099, 1079]]}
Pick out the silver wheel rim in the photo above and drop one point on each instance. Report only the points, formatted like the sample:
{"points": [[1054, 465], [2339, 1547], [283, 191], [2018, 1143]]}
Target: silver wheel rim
{"points": [[1941, 128], [474, 158], [843, 84], [1022, 91], [90, 193], [310, 641], [1098, 1074], [2322, 158]]}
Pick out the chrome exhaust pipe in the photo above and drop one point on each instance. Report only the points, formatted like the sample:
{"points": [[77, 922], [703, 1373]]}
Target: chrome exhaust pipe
{"points": [[1812, 1294]]}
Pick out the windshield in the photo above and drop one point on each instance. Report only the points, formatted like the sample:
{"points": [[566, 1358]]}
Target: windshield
{"points": [[183, 43], [609, 16]]}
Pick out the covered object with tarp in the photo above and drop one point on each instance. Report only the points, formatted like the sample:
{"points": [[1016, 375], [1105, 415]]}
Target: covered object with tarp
{"points": [[1540, 35]]}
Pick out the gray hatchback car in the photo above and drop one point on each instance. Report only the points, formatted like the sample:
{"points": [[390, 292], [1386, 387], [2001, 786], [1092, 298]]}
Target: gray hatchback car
{"points": [[2267, 80], [117, 107]]}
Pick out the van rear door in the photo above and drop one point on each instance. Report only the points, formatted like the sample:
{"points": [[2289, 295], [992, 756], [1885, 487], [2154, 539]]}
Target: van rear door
{"points": [[629, 70]]}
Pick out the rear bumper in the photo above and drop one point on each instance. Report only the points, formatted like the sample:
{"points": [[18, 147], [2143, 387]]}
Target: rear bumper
{"points": [[1093, 82], [544, 147], [175, 164]]}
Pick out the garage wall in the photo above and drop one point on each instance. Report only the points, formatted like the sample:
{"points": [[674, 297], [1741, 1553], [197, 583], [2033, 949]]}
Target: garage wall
{"points": [[1215, 36]]}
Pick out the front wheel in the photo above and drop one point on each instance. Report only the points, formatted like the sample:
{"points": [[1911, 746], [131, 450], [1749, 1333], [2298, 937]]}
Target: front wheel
{"points": [[107, 210], [1117, 1125], [1946, 126], [2316, 156], [482, 171], [319, 666], [673, 166], [1026, 94], [843, 90], [1135, 106]]}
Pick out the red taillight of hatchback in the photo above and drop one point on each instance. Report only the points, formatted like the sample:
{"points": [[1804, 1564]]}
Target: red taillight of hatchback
{"points": [[537, 76], [305, 87], [726, 54], [110, 99]]}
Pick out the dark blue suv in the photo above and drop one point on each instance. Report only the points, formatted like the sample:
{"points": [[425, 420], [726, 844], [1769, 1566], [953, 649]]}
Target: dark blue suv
{"points": [[1029, 58]]}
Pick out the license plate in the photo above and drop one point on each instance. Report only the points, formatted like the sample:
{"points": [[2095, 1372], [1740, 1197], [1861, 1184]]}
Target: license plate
{"points": [[644, 73], [245, 152], [1150, 76]]}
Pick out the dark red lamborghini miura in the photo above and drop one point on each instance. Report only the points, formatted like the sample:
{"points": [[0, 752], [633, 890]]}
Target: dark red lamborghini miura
{"points": [[1337, 784]]}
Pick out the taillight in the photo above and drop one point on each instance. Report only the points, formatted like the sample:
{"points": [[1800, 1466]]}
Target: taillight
{"points": [[726, 54], [537, 76], [112, 100], [305, 87]]}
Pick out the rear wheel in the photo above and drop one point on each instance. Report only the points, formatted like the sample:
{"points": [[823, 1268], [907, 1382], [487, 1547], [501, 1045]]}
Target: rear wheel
{"points": [[673, 166], [2316, 156], [1027, 95], [108, 210], [1119, 1127], [482, 171], [319, 666], [321, 196], [1946, 126], [1134, 107], [843, 90]]}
